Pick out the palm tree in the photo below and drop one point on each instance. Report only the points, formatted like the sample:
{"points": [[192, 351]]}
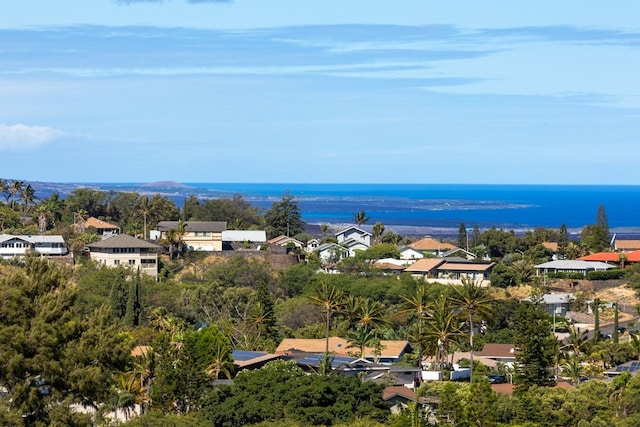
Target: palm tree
{"points": [[378, 229], [362, 338], [145, 210], [418, 306], [474, 302], [576, 342], [14, 190], [4, 188], [573, 369], [360, 218], [443, 329], [221, 363], [28, 198], [330, 299]]}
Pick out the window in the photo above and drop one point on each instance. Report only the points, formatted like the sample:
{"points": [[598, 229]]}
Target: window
{"points": [[132, 262], [116, 262]]}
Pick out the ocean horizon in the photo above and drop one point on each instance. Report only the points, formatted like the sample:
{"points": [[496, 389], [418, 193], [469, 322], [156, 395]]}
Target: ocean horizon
{"points": [[436, 209]]}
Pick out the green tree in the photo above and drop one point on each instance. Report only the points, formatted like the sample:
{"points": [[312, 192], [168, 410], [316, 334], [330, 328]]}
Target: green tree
{"points": [[475, 304], [133, 313], [378, 230], [537, 346], [284, 217], [417, 307], [360, 218], [463, 237], [563, 241], [329, 299]]}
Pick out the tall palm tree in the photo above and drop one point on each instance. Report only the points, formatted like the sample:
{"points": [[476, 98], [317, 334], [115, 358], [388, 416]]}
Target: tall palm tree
{"points": [[443, 328], [14, 190], [144, 209], [4, 188], [362, 338], [577, 342], [417, 306], [330, 299], [474, 302], [360, 218], [378, 229], [28, 196]]}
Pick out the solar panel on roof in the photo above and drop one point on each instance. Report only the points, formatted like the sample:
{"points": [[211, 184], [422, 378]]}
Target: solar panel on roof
{"points": [[244, 355]]}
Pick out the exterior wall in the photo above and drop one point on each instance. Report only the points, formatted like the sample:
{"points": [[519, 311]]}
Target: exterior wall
{"points": [[356, 235], [207, 241], [146, 262], [18, 247]]}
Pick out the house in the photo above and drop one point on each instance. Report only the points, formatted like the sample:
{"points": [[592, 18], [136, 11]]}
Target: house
{"points": [[243, 239], [312, 245], [102, 228], [390, 265], [198, 235], [425, 268], [620, 259], [499, 353], [390, 351], [410, 254], [451, 270], [286, 241], [356, 234], [243, 359], [622, 245], [429, 245], [330, 253], [570, 266], [556, 304], [122, 249], [459, 252], [353, 245], [19, 245]]}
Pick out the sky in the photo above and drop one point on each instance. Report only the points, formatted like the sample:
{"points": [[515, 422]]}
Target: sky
{"points": [[290, 91]]}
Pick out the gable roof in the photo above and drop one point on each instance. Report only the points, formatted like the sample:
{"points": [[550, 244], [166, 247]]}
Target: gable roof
{"points": [[575, 265], [626, 245], [552, 246], [602, 257], [354, 228], [424, 265], [32, 239], [122, 241], [466, 266], [195, 226], [428, 243], [502, 351], [340, 346], [99, 224], [399, 390]]}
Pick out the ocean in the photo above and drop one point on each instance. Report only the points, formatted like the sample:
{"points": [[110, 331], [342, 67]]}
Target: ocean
{"points": [[441, 208]]}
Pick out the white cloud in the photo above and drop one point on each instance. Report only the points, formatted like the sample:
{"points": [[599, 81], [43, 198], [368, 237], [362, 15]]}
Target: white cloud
{"points": [[23, 137]]}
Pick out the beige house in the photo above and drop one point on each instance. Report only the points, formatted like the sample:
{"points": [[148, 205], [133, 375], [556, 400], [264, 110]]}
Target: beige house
{"points": [[122, 249], [199, 235], [432, 246]]}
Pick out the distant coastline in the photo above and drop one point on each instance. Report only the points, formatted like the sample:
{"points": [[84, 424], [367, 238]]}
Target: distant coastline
{"points": [[415, 209]]}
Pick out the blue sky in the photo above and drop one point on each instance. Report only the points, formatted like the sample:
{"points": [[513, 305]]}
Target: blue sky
{"points": [[288, 91]]}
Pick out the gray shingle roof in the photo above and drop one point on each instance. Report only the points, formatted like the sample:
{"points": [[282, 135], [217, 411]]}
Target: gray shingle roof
{"points": [[122, 241]]}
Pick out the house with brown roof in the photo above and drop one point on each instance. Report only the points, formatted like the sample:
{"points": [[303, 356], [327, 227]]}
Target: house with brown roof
{"points": [[624, 245], [390, 351], [621, 259], [500, 353], [429, 245], [125, 250], [199, 235], [102, 228], [451, 271]]}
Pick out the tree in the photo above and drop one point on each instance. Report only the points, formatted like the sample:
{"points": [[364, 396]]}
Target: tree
{"points": [[475, 303], [378, 230], [573, 369], [417, 306], [563, 241], [284, 217], [442, 328], [463, 237], [360, 218], [603, 223], [133, 313], [14, 191], [537, 346], [329, 299]]}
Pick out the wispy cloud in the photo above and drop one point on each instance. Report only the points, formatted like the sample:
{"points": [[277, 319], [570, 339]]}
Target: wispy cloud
{"points": [[20, 137]]}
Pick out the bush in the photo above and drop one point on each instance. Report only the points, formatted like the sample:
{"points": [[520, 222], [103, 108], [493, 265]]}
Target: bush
{"points": [[606, 274]]}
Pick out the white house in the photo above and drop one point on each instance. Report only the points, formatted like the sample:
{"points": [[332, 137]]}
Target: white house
{"points": [[410, 254], [331, 253], [571, 266], [122, 249], [354, 233], [18, 245]]}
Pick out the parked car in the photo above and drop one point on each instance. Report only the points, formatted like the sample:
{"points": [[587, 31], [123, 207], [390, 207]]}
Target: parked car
{"points": [[497, 379]]}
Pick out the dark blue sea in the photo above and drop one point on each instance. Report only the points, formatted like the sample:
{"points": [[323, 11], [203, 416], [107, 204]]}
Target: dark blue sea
{"points": [[436, 209], [442, 207]]}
